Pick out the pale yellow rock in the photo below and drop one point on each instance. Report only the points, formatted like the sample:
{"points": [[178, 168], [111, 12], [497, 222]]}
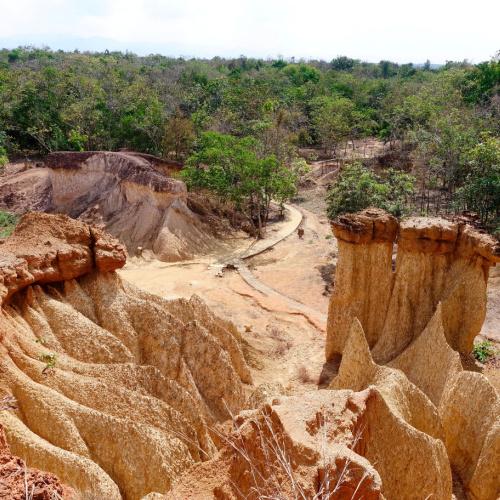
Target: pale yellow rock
{"points": [[470, 410], [116, 389], [363, 277]]}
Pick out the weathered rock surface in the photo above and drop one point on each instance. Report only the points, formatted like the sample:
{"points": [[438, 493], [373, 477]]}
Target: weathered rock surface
{"points": [[18, 482], [46, 249], [437, 261], [117, 389], [434, 310], [340, 443], [363, 277], [133, 196]]}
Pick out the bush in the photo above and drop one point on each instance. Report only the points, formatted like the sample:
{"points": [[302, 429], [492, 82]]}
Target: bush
{"points": [[481, 190], [3, 157], [484, 350], [358, 187], [8, 222]]}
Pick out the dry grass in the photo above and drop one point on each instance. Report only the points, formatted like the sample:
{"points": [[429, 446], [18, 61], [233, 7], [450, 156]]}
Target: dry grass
{"points": [[282, 348], [304, 376], [273, 474]]}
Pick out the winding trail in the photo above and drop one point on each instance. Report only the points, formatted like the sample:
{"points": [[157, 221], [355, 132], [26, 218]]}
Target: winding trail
{"points": [[236, 261]]}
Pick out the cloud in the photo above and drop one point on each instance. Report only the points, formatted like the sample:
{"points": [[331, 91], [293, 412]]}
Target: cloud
{"points": [[389, 29]]}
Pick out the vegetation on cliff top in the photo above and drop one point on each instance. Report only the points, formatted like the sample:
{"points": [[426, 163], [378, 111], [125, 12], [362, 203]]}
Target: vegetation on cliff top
{"points": [[54, 100]]}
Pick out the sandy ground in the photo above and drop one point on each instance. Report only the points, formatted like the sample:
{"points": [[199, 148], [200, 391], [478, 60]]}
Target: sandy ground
{"points": [[287, 345]]}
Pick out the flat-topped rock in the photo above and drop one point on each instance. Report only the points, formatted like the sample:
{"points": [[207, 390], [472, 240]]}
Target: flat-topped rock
{"points": [[49, 248], [132, 167], [368, 226]]}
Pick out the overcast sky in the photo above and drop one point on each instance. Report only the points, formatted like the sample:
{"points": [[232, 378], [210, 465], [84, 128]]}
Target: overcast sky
{"points": [[370, 30]]}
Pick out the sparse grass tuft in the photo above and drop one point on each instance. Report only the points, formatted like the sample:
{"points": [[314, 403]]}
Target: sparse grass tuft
{"points": [[304, 376], [50, 361]]}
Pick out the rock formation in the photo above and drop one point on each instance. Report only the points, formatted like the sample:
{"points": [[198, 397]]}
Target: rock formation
{"points": [[18, 482], [437, 261], [422, 335], [117, 390], [341, 443], [133, 196]]}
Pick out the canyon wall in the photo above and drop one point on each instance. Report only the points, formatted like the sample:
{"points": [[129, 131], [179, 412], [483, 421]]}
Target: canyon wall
{"points": [[117, 390], [133, 198]]}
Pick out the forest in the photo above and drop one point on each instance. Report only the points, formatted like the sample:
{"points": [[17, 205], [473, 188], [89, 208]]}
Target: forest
{"points": [[443, 123]]}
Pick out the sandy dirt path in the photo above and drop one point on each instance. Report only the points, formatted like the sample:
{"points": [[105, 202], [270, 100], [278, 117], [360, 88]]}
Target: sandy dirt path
{"points": [[282, 317]]}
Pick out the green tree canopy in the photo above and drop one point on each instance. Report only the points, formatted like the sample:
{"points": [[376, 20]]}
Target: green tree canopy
{"points": [[231, 168], [357, 188]]}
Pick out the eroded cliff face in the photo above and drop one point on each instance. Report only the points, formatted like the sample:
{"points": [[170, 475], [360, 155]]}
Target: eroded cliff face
{"points": [[117, 389], [437, 261], [435, 308], [133, 198]]}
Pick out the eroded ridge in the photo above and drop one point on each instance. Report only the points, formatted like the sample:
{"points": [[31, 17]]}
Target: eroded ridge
{"points": [[116, 389], [434, 309], [438, 261]]}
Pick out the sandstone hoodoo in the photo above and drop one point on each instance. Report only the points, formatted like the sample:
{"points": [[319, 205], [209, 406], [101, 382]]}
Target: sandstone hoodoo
{"points": [[437, 261], [406, 333], [133, 196], [117, 390], [402, 418]]}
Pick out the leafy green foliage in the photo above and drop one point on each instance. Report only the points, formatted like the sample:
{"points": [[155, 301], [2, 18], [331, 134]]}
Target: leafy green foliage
{"points": [[431, 118], [49, 359], [3, 157], [480, 83], [484, 350], [481, 190], [8, 222], [231, 168], [358, 187], [179, 137]]}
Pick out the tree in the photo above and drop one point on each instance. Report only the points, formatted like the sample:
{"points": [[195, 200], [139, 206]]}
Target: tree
{"points": [[231, 168], [481, 190], [4, 159], [332, 120], [343, 63], [179, 137], [358, 187]]}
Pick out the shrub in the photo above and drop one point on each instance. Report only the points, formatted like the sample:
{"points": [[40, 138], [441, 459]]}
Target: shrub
{"points": [[484, 350], [8, 222], [358, 187]]}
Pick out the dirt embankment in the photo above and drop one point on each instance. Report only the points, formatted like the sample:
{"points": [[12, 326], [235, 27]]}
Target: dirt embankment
{"points": [[133, 196], [116, 390]]}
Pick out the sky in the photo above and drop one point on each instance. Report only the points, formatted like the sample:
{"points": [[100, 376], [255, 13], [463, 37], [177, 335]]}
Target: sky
{"points": [[398, 30]]}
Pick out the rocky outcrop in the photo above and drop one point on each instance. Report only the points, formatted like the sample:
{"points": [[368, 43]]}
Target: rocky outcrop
{"points": [[435, 308], [134, 200], [324, 444], [46, 249], [363, 277], [117, 390], [18, 482], [437, 261], [133, 196]]}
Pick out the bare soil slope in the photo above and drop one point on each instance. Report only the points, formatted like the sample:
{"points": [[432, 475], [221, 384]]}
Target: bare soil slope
{"points": [[134, 197], [117, 390]]}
